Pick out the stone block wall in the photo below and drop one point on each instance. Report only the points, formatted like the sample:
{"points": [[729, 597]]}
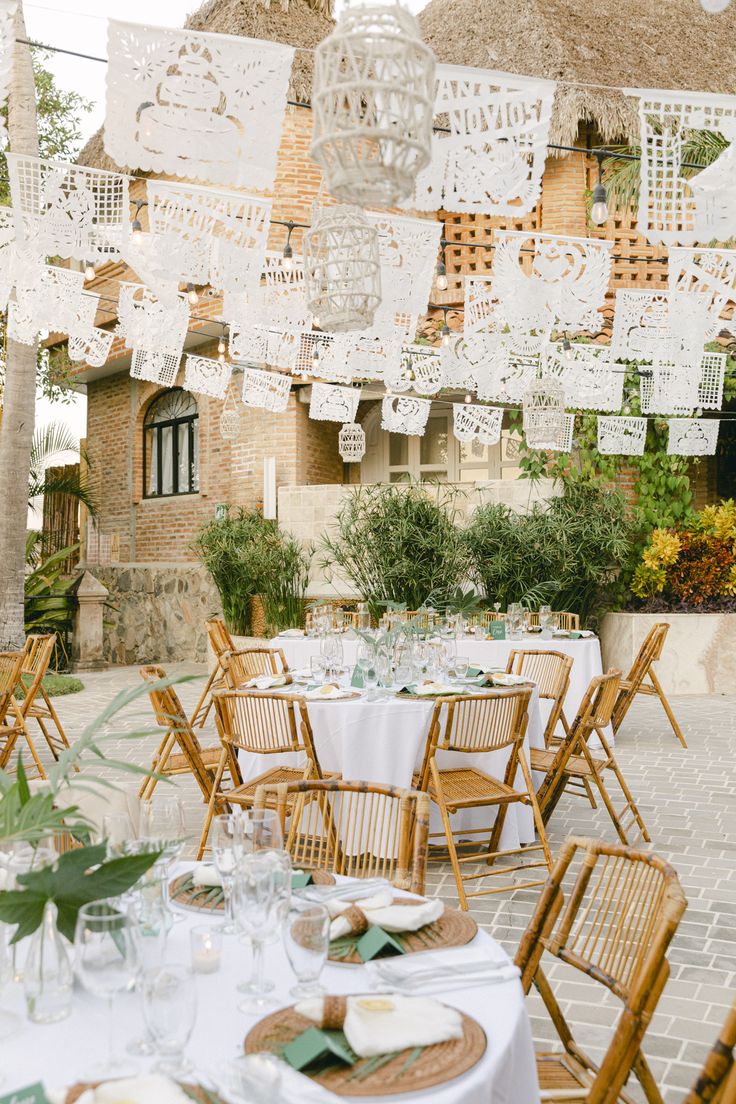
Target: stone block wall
{"points": [[156, 612]]}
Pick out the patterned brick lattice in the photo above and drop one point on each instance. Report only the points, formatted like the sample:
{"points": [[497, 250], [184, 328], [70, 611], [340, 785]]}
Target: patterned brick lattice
{"points": [[688, 809]]}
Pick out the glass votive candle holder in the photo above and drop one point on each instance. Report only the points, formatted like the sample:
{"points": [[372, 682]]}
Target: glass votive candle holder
{"points": [[206, 945], [257, 1077]]}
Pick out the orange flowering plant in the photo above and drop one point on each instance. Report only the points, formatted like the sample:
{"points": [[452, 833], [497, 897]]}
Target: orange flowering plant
{"points": [[693, 565]]}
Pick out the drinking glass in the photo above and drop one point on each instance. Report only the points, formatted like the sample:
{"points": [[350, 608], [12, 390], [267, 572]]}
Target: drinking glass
{"points": [[256, 900], [227, 851], [151, 926], [106, 957], [383, 671], [262, 831], [366, 660], [162, 827], [545, 621], [318, 669], [170, 1010], [515, 621], [117, 831], [461, 664], [307, 941]]}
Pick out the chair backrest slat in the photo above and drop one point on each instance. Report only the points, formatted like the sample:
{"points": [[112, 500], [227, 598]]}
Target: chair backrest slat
{"points": [[248, 663], [358, 829], [11, 670], [220, 639], [170, 714], [36, 659], [264, 723]]}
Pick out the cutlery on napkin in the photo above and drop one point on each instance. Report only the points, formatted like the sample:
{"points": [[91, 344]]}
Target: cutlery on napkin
{"points": [[266, 682], [328, 692], [346, 891], [383, 1024], [456, 968]]}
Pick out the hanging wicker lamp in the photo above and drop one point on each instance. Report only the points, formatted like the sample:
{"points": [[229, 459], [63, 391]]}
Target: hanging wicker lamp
{"points": [[342, 269], [351, 442], [372, 100], [544, 413]]}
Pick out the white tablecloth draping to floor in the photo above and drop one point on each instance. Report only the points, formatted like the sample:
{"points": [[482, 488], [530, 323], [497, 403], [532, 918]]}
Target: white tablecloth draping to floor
{"points": [[383, 741], [585, 652], [62, 1054]]}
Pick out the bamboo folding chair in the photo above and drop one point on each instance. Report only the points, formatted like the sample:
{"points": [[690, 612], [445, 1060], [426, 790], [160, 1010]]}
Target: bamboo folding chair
{"points": [[568, 621], [41, 708], [480, 724], [716, 1082], [642, 668], [359, 829], [240, 666], [615, 925], [550, 671], [220, 641], [22, 707], [573, 760], [192, 758], [260, 723], [11, 671]]}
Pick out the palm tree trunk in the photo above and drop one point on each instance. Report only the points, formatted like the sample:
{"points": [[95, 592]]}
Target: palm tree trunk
{"points": [[19, 397]]}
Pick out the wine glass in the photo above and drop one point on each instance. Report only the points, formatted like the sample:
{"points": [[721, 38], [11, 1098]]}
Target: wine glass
{"points": [[461, 665], [227, 851], [170, 1011], [162, 827], [117, 831], [383, 671], [307, 942], [151, 925], [256, 899], [106, 958], [318, 669], [262, 831]]}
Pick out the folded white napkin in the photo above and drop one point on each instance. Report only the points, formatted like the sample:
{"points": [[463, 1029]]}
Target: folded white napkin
{"points": [[265, 682], [384, 1024], [422, 688], [510, 680], [456, 968], [328, 692], [291, 633], [382, 910], [585, 633], [149, 1089], [205, 875]]}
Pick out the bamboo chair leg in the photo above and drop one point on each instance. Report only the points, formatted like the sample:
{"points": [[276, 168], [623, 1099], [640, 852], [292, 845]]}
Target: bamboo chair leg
{"points": [[667, 708], [495, 836], [211, 804], [448, 834], [47, 737], [630, 803], [34, 753], [589, 791], [148, 785], [213, 675], [597, 775], [538, 822], [54, 718]]}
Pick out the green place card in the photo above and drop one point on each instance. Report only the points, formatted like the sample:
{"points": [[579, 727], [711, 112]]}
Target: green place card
{"points": [[575, 636], [498, 630], [473, 672], [357, 679], [376, 942], [315, 1045], [301, 880], [31, 1094]]}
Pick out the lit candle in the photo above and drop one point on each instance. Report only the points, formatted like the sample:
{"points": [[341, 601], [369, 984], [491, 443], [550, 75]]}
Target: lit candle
{"points": [[206, 944]]}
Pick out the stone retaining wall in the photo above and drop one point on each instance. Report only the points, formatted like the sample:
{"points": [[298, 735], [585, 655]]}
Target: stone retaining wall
{"points": [[156, 611]]}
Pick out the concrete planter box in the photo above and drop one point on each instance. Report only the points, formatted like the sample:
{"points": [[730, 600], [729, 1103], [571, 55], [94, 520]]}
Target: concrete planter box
{"points": [[699, 654]]}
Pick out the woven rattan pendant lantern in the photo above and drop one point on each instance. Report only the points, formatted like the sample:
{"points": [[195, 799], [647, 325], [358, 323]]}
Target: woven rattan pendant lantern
{"points": [[230, 418], [372, 100], [544, 413], [351, 442], [342, 270]]}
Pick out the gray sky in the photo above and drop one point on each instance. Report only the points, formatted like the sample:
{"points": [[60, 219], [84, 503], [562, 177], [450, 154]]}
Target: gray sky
{"points": [[81, 25]]}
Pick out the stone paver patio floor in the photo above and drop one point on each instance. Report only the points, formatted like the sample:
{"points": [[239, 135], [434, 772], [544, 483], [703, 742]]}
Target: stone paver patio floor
{"points": [[687, 800]]}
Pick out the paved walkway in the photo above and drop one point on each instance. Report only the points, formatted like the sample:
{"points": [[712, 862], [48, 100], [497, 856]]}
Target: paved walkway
{"points": [[688, 803]]}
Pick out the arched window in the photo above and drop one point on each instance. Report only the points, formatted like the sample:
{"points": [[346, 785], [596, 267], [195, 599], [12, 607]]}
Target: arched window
{"points": [[171, 445]]}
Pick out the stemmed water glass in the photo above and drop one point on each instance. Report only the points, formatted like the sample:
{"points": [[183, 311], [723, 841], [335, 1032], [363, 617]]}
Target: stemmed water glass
{"points": [[307, 942], [262, 831], [227, 851], [366, 661], [461, 665], [162, 828], [170, 1011], [257, 901], [106, 957], [151, 924]]}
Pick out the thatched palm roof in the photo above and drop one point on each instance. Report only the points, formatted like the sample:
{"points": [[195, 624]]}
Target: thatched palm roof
{"points": [[295, 22], [625, 43]]}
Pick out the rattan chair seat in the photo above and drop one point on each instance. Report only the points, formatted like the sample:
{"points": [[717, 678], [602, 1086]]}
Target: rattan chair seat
{"points": [[576, 766], [468, 786], [556, 1076], [245, 794], [179, 764]]}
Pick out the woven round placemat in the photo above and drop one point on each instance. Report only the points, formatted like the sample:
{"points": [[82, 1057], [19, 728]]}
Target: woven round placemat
{"points": [[453, 929], [182, 893], [76, 1091], [404, 1073]]}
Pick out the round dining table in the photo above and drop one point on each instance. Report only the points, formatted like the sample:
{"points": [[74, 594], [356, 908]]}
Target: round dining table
{"points": [[62, 1054], [383, 740], [584, 651]]}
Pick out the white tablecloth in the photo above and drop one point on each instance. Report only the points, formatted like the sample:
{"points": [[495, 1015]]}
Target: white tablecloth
{"points": [[383, 741], [586, 655], [61, 1054]]}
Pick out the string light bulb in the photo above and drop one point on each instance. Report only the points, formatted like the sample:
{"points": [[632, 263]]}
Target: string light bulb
{"points": [[89, 271], [287, 260], [221, 347], [441, 275], [136, 229], [599, 210], [445, 331], [192, 294], [315, 357], [315, 323], [567, 349], [468, 399]]}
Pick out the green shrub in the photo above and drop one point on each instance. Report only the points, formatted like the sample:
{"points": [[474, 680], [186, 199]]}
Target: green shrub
{"points": [[398, 544], [246, 554], [568, 552]]}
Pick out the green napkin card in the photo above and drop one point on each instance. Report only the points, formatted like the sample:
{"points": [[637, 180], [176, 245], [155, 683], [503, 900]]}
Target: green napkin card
{"points": [[315, 1045], [498, 630], [30, 1094], [299, 881], [357, 679], [376, 942], [575, 635], [473, 672]]}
